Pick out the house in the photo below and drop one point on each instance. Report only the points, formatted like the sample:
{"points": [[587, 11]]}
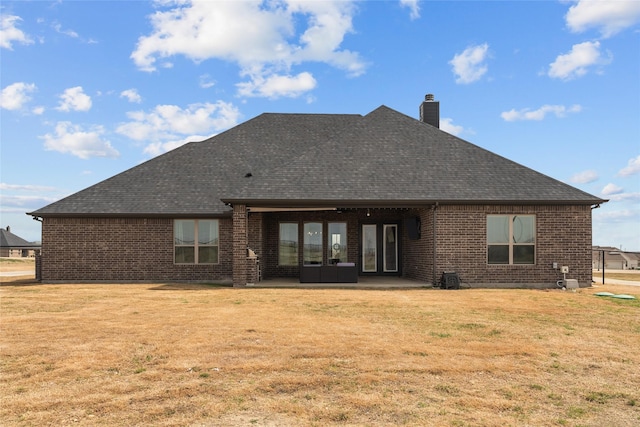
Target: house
{"points": [[283, 194], [13, 246], [614, 258]]}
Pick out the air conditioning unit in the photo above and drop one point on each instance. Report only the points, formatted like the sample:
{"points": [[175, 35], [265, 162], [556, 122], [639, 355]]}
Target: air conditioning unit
{"points": [[450, 280]]}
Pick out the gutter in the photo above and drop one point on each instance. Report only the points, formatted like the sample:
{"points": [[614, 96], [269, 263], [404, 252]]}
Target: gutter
{"points": [[405, 203], [38, 216]]}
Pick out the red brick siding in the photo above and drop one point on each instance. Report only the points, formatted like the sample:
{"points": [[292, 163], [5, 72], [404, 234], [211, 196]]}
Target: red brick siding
{"points": [[418, 254], [141, 249], [240, 244], [123, 249], [563, 235]]}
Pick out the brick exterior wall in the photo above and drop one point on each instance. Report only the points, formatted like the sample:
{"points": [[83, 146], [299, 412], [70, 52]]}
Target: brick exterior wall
{"points": [[240, 245], [563, 235], [141, 249], [123, 250], [418, 254]]}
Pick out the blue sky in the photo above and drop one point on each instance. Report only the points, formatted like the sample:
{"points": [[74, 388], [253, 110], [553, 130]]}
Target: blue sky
{"points": [[92, 88]]}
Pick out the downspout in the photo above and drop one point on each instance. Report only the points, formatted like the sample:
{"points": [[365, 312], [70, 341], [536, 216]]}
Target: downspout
{"points": [[596, 206], [435, 244]]}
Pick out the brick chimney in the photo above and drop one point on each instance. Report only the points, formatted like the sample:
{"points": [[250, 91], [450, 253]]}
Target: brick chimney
{"points": [[430, 111]]}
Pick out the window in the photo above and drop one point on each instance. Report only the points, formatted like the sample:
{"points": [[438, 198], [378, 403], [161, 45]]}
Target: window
{"points": [[337, 242], [288, 245], [369, 248], [390, 248], [196, 241], [511, 239], [312, 251]]}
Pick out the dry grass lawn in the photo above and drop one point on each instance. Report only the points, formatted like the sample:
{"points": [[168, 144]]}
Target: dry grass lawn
{"points": [[16, 264], [198, 355]]}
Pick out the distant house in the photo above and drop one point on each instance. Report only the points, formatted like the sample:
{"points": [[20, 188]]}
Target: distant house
{"points": [[13, 246], [614, 258], [324, 198]]}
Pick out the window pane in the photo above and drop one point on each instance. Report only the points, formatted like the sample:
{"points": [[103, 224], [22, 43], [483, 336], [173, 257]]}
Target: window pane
{"points": [[524, 254], [369, 248], [184, 232], [208, 232], [498, 229], [185, 255], [312, 243], [390, 248], [337, 242], [498, 254], [523, 229], [288, 248], [207, 254]]}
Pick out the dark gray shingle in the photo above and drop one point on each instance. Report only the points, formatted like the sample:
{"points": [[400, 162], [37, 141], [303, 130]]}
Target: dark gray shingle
{"points": [[385, 156]]}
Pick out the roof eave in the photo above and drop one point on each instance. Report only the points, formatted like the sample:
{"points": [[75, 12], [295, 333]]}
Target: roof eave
{"points": [[350, 203], [37, 214]]}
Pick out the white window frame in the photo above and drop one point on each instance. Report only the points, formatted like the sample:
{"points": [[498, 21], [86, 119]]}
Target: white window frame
{"points": [[511, 243], [196, 244]]}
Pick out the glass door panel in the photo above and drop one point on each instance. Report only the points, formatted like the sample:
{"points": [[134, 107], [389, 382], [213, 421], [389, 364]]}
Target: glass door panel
{"points": [[312, 249], [369, 248], [390, 248], [337, 242]]}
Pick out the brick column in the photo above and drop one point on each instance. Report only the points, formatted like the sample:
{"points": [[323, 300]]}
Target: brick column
{"points": [[239, 246]]}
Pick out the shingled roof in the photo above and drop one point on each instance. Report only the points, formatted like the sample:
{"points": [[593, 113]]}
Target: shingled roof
{"points": [[383, 158], [10, 240]]}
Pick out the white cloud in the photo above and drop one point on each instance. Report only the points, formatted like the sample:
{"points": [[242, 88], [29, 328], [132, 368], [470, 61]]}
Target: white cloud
{"points": [[260, 37], [610, 17], [276, 86], [39, 110], [58, 28], [24, 187], [610, 189], [16, 95], [576, 63], [74, 99], [469, 66], [632, 168], [540, 113], [413, 6], [18, 203], [9, 33], [206, 82], [625, 197], [446, 124], [70, 138], [132, 95], [166, 123], [584, 177]]}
